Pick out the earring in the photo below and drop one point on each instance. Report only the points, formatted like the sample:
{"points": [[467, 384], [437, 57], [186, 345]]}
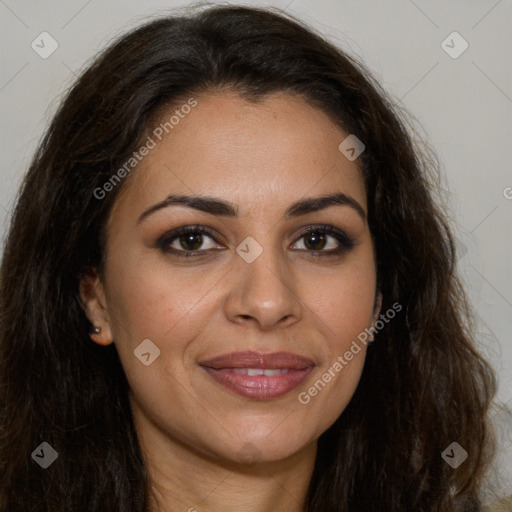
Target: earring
{"points": [[96, 330]]}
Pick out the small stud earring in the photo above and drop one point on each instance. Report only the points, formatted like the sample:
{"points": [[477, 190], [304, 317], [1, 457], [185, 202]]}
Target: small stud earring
{"points": [[96, 330]]}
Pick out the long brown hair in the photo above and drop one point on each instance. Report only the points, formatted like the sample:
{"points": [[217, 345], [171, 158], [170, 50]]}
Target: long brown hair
{"points": [[423, 386]]}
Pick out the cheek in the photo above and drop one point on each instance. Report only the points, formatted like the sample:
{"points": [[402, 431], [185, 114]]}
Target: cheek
{"points": [[343, 306], [153, 302], [169, 306], [328, 396], [343, 301], [172, 306], [152, 299]]}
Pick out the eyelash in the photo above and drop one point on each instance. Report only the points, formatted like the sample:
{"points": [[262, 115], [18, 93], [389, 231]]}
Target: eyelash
{"points": [[346, 242]]}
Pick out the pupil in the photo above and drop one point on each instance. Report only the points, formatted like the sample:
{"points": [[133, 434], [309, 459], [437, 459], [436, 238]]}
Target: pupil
{"points": [[316, 238], [191, 241], [187, 241]]}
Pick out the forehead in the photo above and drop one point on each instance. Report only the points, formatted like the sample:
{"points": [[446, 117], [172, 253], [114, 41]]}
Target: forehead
{"points": [[260, 155]]}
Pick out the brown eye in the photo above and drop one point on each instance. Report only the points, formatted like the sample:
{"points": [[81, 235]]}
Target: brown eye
{"points": [[189, 241], [314, 241], [325, 240]]}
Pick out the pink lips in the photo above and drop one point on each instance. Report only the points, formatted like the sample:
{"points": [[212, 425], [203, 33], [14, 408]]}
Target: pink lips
{"points": [[228, 370]]}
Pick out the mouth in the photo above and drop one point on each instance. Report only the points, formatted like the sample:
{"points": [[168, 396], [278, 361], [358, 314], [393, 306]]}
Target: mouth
{"points": [[259, 375]]}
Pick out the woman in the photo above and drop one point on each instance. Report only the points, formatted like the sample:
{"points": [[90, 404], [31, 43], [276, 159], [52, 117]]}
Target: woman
{"points": [[227, 286]]}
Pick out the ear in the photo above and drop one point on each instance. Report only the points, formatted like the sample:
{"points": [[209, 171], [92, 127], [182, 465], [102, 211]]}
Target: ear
{"points": [[377, 306], [94, 304], [376, 312]]}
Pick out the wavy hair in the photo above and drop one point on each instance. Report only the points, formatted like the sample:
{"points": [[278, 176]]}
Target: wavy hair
{"points": [[424, 385]]}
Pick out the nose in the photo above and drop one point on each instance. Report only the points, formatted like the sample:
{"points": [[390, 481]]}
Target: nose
{"points": [[263, 292]]}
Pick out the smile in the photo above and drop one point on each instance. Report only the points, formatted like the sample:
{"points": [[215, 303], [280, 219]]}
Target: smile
{"points": [[258, 375], [258, 383], [252, 372]]}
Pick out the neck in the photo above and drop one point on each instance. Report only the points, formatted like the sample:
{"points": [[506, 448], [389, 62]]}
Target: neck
{"points": [[182, 478]]}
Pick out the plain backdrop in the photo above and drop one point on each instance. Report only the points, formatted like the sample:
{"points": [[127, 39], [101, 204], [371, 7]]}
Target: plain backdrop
{"points": [[463, 104]]}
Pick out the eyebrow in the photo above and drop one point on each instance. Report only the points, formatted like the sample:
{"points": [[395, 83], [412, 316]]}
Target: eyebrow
{"points": [[215, 206]]}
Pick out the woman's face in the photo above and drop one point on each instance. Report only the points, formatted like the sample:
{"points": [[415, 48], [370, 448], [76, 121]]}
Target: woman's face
{"points": [[253, 282]]}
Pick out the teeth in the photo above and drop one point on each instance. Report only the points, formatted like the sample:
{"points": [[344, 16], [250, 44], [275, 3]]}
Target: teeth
{"points": [[271, 373], [253, 372]]}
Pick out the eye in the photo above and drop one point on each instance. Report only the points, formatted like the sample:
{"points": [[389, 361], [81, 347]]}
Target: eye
{"points": [[316, 239], [191, 241], [187, 242]]}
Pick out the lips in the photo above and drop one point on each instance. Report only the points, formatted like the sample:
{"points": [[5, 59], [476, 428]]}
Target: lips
{"points": [[259, 375], [272, 360]]}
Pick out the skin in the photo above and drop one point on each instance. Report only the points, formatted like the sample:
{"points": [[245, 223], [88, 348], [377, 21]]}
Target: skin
{"points": [[193, 432]]}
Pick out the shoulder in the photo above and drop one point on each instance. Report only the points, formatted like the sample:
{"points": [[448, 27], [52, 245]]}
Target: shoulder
{"points": [[504, 505]]}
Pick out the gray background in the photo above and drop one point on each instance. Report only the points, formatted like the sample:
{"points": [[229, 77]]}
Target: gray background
{"points": [[464, 106]]}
